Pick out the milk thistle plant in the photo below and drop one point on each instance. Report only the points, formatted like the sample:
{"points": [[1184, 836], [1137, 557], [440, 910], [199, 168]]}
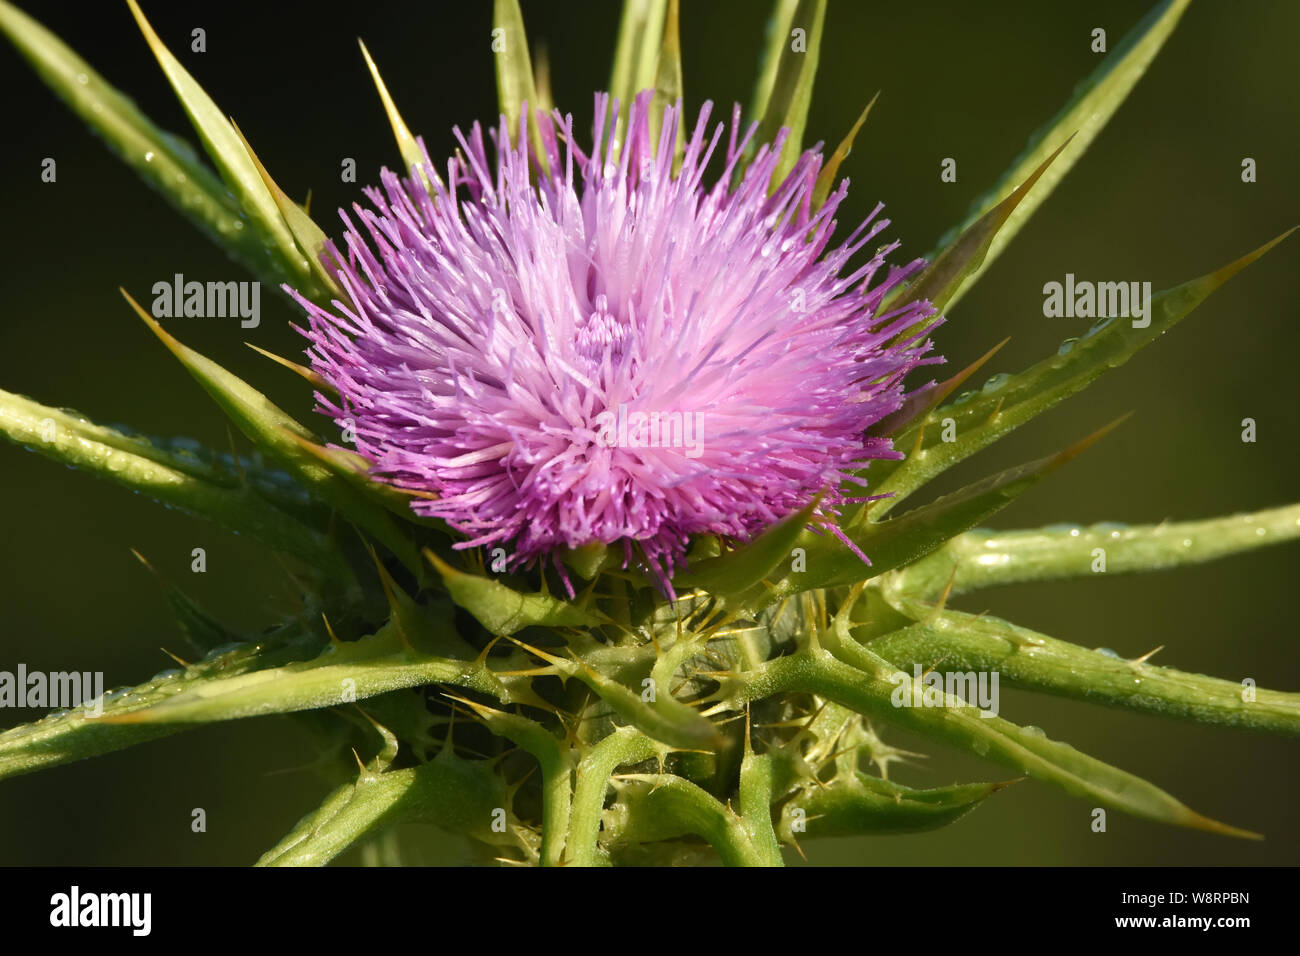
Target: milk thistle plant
{"points": [[603, 537]]}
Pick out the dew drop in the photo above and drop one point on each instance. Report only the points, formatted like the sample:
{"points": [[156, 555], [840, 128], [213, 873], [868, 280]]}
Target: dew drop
{"points": [[1107, 652], [148, 157], [1065, 347], [168, 674], [1098, 326], [83, 79], [1029, 730], [996, 382], [964, 397]]}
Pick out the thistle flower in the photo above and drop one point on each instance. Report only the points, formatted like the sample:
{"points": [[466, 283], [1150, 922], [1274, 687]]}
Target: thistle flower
{"points": [[613, 353], [663, 339]]}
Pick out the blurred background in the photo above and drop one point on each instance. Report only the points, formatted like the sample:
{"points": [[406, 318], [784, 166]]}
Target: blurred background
{"points": [[1159, 196]]}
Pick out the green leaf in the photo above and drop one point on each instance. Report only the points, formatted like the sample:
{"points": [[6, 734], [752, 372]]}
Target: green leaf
{"points": [[900, 541], [1025, 658], [636, 52], [280, 436], [227, 152], [406, 144], [503, 610], [623, 746], [668, 82], [515, 83], [776, 41], [826, 178], [556, 762], [76, 734], [165, 162], [309, 236], [394, 657], [1095, 100], [792, 84], [735, 571], [181, 481], [1007, 402], [863, 804], [653, 807], [939, 281], [867, 683], [662, 717], [452, 793], [984, 559]]}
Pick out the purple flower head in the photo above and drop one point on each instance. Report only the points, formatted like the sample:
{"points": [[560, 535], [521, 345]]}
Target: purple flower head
{"points": [[606, 351]]}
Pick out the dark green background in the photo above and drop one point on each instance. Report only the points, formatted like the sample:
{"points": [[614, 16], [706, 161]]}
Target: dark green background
{"points": [[1157, 197]]}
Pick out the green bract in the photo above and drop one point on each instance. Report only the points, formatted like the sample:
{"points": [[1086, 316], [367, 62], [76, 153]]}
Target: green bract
{"points": [[738, 720]]}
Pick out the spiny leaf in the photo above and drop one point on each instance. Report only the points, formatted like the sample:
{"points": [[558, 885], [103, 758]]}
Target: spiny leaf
{"points": [[655, 807], [902, 540], [165, 162], [412, 157], [204, 631], [183, 482], [556, 762], [668, 81], [826, 178], [623, 746], [869, 684], [864, 804], [228, 153], [515, 84], [1009, 401], [777, 38], [1025, 658], [280, 436], [390, 659], [640, 32], [310, 237], [1095, 100], [735, 571], [792, 84], [963, 256], [76, 735], [663, 717], [981, 559], [504, 611], [920, 402], [455, 794]]}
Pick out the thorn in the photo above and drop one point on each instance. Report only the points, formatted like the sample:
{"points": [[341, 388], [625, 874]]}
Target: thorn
{"points": [[334, 640], [929, 670], [947, 590], [145, 561], [1139, 661], [312, 376], [920, 436], [481, 660], [539, 653], [186, 664], [798, 849]]}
